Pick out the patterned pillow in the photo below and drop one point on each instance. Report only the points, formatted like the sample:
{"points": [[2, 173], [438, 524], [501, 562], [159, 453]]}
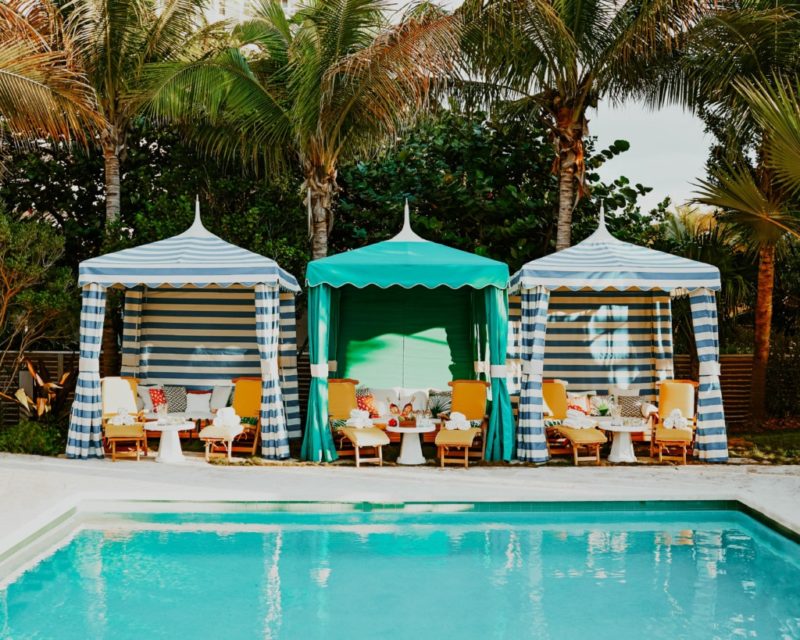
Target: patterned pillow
{"points": [[630, 406], [440, 402], [176, 399], [366, 401], [599, 401], [579, 402], [157, 397], [340, 424]]}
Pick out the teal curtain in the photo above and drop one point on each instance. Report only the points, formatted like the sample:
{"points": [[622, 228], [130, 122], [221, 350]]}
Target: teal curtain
{"points": [[317, 440], [500, 437]]}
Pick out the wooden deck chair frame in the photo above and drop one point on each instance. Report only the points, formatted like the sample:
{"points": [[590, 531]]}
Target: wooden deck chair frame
{"points": [[469, 397], [247, 404], [682, 400], [341, 400], [119, 434]]}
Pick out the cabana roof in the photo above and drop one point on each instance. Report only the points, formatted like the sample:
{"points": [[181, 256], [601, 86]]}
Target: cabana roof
{"points": [[407, 261], [195, 257], [602, 262]]}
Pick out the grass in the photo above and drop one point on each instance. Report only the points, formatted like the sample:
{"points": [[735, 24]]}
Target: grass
{"points": [[781, 447]]}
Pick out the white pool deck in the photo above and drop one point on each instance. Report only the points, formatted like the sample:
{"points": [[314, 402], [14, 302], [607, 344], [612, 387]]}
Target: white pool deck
{"points": [[35, 492]]}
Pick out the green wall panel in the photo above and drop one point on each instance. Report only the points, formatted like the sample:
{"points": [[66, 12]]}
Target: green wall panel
{"points": [[399, 337]]}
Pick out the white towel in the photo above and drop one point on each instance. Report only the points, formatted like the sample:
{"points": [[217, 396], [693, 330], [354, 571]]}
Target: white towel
{"points": [[457, 422], [226, 417], [122, 418], [359, 419], [675, 420], [649, 410], [578, 420]]}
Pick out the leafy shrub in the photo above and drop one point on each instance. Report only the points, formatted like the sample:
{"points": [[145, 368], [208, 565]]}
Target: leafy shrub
{"points": [[36, 438]]}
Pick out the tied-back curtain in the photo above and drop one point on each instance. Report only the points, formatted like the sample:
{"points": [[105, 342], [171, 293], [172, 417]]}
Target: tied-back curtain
{"points": [[712, 441], [500, 436], [662, 340], [85, 437], [531, 440], [274, 437], [317, 440], [288, 364], [132, 331]]}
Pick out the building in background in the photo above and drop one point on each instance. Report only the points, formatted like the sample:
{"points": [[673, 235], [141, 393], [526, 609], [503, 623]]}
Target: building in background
{"points": [[239, 10]]}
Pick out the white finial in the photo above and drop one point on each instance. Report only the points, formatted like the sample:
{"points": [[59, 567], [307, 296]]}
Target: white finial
{"points": [[197, 228], [197, 207], [406, 233], [601, 234], [602, 222]]}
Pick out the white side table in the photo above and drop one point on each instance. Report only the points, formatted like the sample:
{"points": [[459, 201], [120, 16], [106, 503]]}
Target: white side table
{"points": [[169, 446], [622, 445], [410, 445]]}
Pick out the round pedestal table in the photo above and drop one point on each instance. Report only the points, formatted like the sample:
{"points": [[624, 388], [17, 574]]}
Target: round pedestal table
{"points": [[410, 445], [169, 446], [621, 445]]}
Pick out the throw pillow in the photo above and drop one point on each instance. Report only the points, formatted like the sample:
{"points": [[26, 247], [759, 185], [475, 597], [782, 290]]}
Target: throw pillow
{"points": [[176, 398], [198, 402], [220, 397], [630, 406], [440, 402], [143, 391], [366, 401], [579, 402], [600, 405], [158, 398]]}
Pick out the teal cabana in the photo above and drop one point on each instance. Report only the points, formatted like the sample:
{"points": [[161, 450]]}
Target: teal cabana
{"points": [[409, 313]]}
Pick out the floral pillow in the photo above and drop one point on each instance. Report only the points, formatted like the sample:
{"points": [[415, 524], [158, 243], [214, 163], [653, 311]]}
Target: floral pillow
{"points": [[579, 402], [158, 397]]}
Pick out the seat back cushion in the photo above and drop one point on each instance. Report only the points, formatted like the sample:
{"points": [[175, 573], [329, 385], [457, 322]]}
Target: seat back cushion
{"points": [[247, 397], [676, 395], [341, 398], [554, 393], [118, 395], [469, 398]]}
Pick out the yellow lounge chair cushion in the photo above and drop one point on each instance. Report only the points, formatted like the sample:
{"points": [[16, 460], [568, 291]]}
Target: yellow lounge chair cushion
{"points": [[673, 435], [214, 432], [124, 431], [366, 437], [456, 438], [583, 436]]}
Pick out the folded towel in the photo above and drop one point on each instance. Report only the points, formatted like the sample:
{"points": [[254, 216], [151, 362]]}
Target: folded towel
{"points": [[226, 417], [359, 419], [122, 418], [577, 420], [675, 420], [458, 421]]}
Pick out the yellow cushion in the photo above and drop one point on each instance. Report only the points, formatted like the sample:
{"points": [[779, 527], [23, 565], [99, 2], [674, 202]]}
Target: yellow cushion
{"points": [[124, 431], [673, 435], [583, 436], [366, 437], [456, 438]]}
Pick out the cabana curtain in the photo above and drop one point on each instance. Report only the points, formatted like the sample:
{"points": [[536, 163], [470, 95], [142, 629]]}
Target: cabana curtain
{"points": [[132, 331], [287, 363], [712, 443], [85, 437], [531, 441], [500, 435]]}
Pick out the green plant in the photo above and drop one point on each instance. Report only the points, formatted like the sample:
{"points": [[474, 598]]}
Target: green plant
{"points": [[44, 438], [50, 399]]}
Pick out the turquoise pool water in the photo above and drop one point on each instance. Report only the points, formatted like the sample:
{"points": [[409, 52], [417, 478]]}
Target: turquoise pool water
{"points": [[399, 574]]}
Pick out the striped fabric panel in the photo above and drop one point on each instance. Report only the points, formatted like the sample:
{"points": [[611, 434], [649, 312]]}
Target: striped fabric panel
{"points": [[712, 440], [197, 337], [514, 357], [131, 334], [597, 340], [85, 436], [274, 438], [531, 440], [288, 364]]}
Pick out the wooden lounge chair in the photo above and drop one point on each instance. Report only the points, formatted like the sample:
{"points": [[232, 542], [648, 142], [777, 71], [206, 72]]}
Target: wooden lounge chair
{"points": [[119, 394], [349, 440], [469, 398], [247, 405], [554, 393], [673, 394]]}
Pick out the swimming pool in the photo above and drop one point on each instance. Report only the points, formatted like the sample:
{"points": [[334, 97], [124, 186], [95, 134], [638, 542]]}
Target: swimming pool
{"points": [[413, 571]]}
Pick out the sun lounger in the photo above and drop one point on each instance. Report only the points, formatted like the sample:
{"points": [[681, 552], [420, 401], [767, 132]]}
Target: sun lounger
{"points": [[673, 394], [469, 398], [350, 440], [554, 393], [119, 395]]}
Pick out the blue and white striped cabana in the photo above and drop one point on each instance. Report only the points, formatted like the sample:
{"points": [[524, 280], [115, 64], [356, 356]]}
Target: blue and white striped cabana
{"points": [[198, 312], [598, 315]]}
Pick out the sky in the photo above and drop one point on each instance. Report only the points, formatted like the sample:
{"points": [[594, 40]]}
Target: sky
{"points": [[668, 149]]}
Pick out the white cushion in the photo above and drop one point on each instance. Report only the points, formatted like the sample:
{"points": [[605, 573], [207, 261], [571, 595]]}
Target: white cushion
{"points": [[143, 391], [418, 400], [198, 403], [220, 396]]}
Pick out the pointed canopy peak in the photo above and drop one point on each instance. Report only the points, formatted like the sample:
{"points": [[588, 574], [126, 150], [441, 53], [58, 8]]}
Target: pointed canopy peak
{"points": [[197, 230], [407, 234], [601, 234]]}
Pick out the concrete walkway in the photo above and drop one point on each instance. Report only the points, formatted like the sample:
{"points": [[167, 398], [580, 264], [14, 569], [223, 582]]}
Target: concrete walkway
{"points": [[35, 491]]}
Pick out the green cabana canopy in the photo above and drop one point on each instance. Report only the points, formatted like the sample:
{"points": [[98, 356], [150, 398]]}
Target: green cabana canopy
{"points": [[409, 313]]}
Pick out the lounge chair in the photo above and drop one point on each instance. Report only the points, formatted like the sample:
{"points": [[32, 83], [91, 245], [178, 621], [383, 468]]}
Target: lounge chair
{"points": [[566, 439], [469, 398], [673, 394], [247, 405], [350, 440], [119, 395]]}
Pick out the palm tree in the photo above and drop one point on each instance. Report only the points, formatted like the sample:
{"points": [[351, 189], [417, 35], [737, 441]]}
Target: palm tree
{"points": [[42, 91], [558, 59], [760, 213], [335, 81], [115, 42]]}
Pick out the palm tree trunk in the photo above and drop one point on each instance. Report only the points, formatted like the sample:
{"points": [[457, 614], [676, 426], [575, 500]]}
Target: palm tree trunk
{"points": [[763, 328], [111, 162], [321, 187], [572, 127], [111, 149], [566, 202]]}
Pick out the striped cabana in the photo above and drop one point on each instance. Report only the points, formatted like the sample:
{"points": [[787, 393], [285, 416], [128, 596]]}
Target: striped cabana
{"points": [[198, 312], [598, 315]]}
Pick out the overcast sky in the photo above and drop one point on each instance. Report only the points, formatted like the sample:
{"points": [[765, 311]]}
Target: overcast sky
{"points": [[668, 149]]}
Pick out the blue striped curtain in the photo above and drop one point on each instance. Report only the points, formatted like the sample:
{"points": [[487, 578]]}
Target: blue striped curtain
{"points": [[531, 441], [132, 331], [274, 437], [85, 437], [288, 364], [514, 358], [712, 440], [662, 338]]}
